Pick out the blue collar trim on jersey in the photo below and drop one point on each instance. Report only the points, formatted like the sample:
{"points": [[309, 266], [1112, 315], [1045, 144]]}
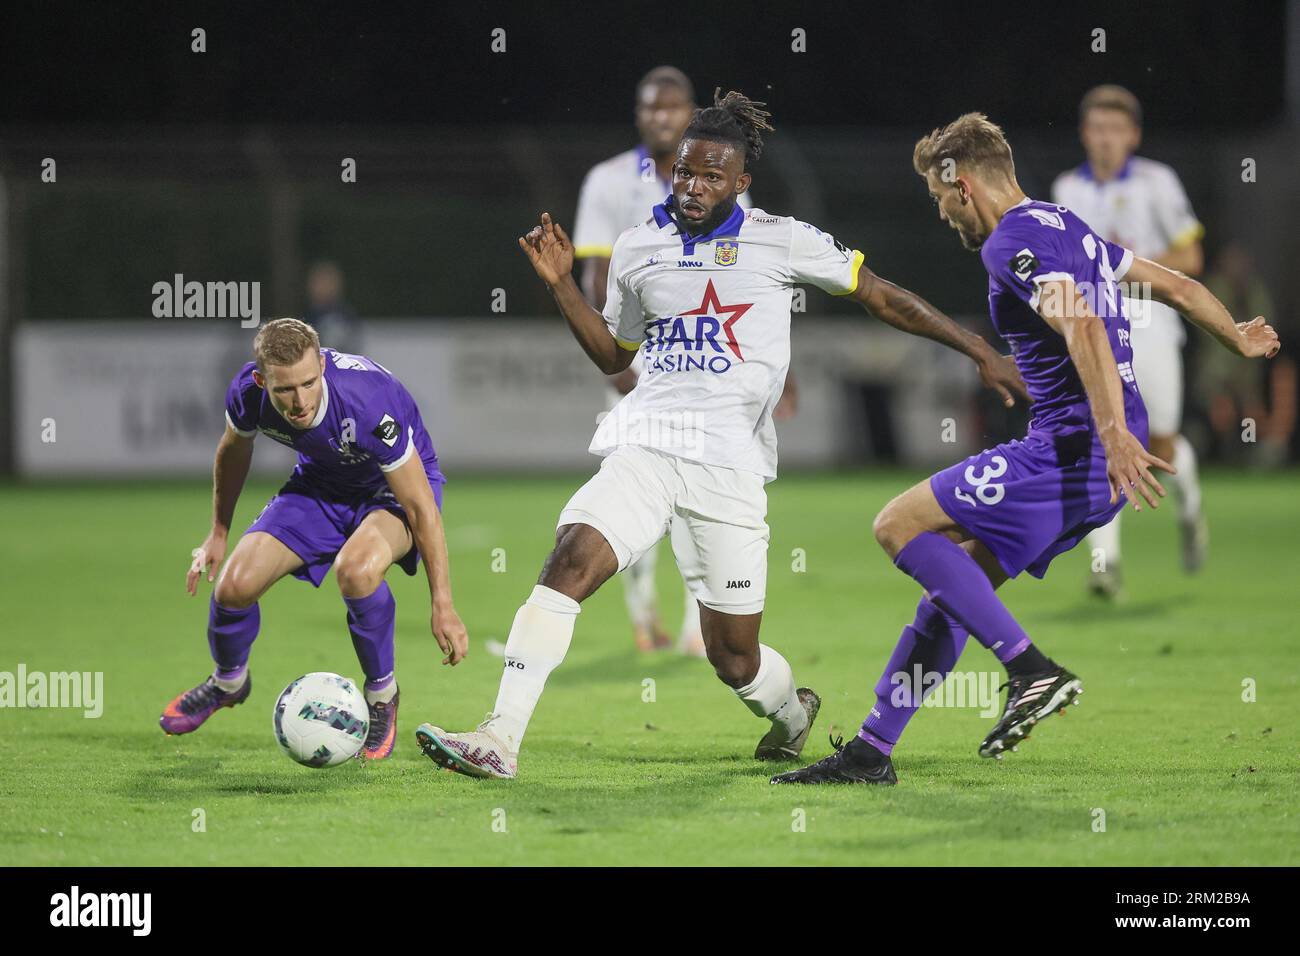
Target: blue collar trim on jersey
{"points": [[1085, 170], [663, 214]]}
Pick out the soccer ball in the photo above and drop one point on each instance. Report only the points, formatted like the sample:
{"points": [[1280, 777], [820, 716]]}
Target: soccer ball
{"points": [[321, 719]]}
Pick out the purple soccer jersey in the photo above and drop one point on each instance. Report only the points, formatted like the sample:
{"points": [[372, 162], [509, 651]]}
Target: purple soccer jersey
{"points": [[1034, 243], [1030, 500], [367, 424]]}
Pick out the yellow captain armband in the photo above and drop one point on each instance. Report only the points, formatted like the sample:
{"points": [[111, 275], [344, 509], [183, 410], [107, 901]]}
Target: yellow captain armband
{"points": [[1191, 234], [625, 344], [592, 252], [858, 259]]}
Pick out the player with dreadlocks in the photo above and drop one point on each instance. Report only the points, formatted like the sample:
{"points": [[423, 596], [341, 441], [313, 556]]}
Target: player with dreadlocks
{"points": [[702, 289]]}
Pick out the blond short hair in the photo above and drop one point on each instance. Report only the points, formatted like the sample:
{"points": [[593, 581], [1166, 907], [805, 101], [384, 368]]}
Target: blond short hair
{"points": [[970, 141], [283, 342], [1110, 96]]}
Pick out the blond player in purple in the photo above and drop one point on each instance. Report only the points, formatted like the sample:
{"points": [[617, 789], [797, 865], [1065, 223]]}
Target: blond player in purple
{"points": [[1053, 296], [365, 495]]}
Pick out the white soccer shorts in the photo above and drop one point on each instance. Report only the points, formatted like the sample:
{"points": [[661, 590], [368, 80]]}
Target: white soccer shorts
{"points": [[715, 515], [1158, 366]]}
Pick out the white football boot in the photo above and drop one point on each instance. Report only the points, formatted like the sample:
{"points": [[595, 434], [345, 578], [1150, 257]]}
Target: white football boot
{"points": [[475, 753], [775, 746]]}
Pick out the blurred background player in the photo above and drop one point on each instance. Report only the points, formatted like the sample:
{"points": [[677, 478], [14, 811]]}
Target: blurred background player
{"points": [[616, 195], [365, 495], [327, 311], [1140, 204]]}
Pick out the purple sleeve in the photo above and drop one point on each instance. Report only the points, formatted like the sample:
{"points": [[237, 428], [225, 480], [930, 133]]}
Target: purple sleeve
{"points": [[1026, 254], [243, 402], [386, 431]]}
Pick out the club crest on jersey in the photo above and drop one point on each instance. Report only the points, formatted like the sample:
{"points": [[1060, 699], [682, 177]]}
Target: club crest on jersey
{"points": [[349, 452], [1023, 263], [386, 431], [726, 252]]}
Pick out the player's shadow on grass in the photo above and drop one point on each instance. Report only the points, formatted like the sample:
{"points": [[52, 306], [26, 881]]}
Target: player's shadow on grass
{"points": [[626, 666], [186, 775], [1095, 612]]}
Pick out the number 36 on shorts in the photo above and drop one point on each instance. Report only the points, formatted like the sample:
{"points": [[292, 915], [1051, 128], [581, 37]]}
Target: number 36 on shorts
{"points": [[987, 491]]}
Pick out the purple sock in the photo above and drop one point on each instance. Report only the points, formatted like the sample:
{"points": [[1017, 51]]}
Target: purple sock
{"points": [[959, 587], [927, 651], [231, 632], [371, 619]]}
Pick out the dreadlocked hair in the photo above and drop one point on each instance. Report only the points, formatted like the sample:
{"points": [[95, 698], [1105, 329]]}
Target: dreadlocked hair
{"points": [[733, 118]]}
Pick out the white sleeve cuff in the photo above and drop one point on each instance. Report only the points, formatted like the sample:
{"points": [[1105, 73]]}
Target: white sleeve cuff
{"points": [[1121, 270], [1038, 285], [237, 430], [410, 450]]}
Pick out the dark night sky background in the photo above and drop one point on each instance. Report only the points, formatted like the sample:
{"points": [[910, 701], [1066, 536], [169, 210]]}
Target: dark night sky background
{"points": [[872, 64]]}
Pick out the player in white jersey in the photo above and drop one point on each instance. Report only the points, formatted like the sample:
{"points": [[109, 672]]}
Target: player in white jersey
{"points": [[1140, 204], [615, 196], [703, 290]]}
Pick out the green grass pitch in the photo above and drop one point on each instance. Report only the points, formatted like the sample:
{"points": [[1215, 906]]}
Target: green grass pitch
{"points": [[1184, 770]]}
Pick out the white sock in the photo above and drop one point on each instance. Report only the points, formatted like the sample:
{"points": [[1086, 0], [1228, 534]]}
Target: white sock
{"points": [[1105, 539], [639, 589], [231, 684], [772, 693], [539, 639], [691, 616], [1187, 485], [383, 694]]}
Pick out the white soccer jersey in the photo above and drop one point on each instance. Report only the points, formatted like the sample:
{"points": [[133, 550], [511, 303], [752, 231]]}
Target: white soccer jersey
{"points": [[1145, 209], [711, 316], [615, 196]]}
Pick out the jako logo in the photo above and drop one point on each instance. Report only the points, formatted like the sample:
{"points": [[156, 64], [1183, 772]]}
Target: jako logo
{"points": [[103, 909], [737, 584], [517, 665]]}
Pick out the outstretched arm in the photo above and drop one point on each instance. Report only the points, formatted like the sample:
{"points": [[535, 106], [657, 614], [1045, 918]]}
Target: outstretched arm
{"points": [[1128, 464], [1184, 294], [905, 310], [551, 253]]}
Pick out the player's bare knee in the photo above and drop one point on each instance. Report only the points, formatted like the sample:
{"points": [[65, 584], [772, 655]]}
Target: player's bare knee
{"points": [[564, 571], [574, 568], [237, 588], [890, 529], [357, 576]]}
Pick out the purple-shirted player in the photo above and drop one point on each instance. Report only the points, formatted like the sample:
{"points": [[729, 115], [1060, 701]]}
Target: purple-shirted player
{"points": [[365, 495], [1012, 508]]}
